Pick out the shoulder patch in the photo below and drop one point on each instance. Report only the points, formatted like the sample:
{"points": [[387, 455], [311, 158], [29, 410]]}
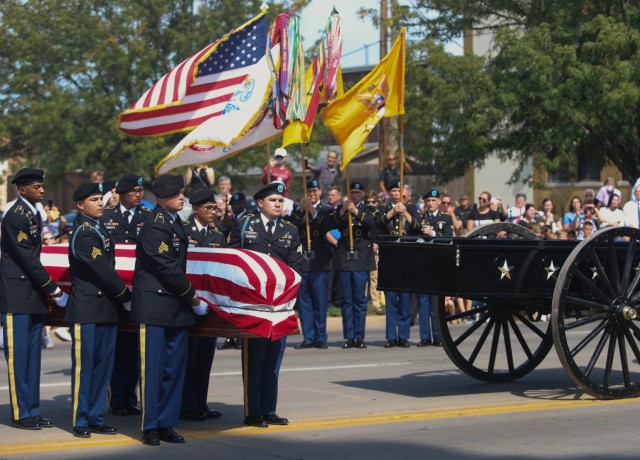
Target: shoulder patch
{"points": [[109, 208], [145, 209], [159, 217], [18, 210], [186, 222], [22, 236], [95, 253], [288, 223], [86, 226]]}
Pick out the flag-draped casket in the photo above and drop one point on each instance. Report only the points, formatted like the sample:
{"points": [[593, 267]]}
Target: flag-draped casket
{"points": [[249, 293]]}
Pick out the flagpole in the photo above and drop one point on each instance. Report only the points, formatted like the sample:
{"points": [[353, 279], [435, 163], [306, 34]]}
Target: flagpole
{"points": [[401, 216], [349, 218], [304, 191]]}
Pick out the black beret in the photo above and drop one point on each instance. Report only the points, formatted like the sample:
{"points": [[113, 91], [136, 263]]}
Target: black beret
{"points": [[202, 195], [238, 196], [312, 183], [356, 186], [88, 189], [109, 185], [128, 183], [28, 176], [277, 188], [168, 185], [392, 184], [433, 193]]}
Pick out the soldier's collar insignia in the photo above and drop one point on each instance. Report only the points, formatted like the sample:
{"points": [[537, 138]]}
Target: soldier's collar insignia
{"points": [[22, 236], [163, 248], [95, 253]]}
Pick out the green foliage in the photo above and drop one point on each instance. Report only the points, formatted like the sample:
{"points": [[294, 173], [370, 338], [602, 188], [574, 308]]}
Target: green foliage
{"points": [[69, 67]]}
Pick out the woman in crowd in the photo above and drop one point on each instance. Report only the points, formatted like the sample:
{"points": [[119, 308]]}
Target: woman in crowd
{"points": [[612, 215], [575, 210], [531, 217], [549, 218], [482, 214]]}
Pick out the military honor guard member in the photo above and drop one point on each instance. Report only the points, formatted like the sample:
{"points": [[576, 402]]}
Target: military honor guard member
{"points": [[124, 222], [318, 261], [434, 223], [398, 311], [97, 291], [164, 304], [353, 264], [268, 233], [25, 286], [202, 234]]}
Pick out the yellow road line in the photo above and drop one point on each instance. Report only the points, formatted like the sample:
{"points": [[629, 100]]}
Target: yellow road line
{"points": [[304, 425]]}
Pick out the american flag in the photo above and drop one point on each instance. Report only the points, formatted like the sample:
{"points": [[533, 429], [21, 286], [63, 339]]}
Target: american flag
{"points": [[248, 289], [180, 102]]}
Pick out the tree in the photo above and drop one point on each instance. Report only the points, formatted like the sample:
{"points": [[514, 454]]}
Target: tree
{"points": [[563, 81], [69, 67]]}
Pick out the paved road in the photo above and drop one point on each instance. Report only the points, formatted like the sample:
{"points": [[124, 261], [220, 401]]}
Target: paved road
{"points": [[356, 404]]}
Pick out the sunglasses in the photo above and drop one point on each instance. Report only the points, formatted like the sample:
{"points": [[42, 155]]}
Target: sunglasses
{"points": [[482, 199], [447, 203], [371, 201]]}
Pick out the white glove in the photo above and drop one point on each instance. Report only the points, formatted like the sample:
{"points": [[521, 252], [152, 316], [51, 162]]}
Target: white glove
{"points": [[62, 300], [127, 305], [200, 309]]}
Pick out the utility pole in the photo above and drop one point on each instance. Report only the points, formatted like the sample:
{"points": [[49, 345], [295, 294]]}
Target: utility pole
{"points": [[383, 126]]}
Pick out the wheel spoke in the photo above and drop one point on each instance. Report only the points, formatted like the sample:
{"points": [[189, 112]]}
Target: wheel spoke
{"points": [[507, 345], [601, 273], [634, 286], [584, 302], [520, 337], [474, 327], [465, 314], [613, 261], [494, 346], [591, 286], [529, 324], [632, 344], [584, 321], [623, 361], [482, 339], [628, 265], [585, 341], [596, 354], [610, 354]]}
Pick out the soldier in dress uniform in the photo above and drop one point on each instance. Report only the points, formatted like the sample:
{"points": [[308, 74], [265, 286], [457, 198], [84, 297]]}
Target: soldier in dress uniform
{"points": [[434, 223], [313, 294], [97, 291], [164, 304], [398, 311], [202, 234], [353, 264], [268, 233], [24, 288], [124, 222]]}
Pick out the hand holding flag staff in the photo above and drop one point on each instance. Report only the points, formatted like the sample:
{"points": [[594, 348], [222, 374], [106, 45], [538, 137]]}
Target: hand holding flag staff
{"points": [[352, 116]]}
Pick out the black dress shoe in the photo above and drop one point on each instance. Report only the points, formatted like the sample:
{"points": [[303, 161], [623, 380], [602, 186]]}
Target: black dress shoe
{"points": [[103, 429], [403, 343], [322, 345], [211, 413], [43, 422], [303, 345], [350, 343], [423, 343], [151, 437], [133, 410], [29, 423], [193, 416], [360, 343], [436, 343], [168, 435], [256, 420], [81, 432], [390, 344], [275, 419], [237, 344]]}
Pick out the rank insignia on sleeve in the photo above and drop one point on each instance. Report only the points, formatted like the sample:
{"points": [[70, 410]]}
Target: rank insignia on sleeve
{"points": [[22, 236], [95, 253], [163, 248]]}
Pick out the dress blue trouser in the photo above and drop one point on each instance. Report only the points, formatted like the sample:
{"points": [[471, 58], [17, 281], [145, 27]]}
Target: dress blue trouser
{"points": [[354, 303], [261, 360], [312, 306], [398, 315], [126, 372], [163, 363], [427, 305], [22, 336], [92, 355], [196, 381]]}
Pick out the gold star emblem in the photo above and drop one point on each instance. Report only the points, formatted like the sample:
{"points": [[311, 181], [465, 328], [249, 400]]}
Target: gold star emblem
{"points": [[505, 270], [551, 270], [163, 248], [95, 253], [22, 236], [594, 272]]}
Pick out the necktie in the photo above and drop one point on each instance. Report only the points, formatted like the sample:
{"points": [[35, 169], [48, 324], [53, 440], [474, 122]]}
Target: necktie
{"points": [[270, 226], [203, 232], [127, 215]]}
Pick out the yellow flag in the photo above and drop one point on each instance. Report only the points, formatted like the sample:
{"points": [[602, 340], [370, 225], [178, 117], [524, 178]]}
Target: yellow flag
{"points": [[299, 132], [380, 94]]}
